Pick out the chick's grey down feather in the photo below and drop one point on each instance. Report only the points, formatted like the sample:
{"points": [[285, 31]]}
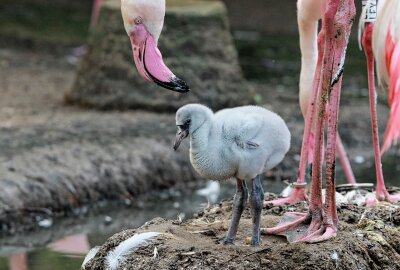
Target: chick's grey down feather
{"points": [[241, 142]]}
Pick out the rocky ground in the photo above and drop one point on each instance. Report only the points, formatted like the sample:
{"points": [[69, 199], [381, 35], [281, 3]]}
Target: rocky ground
{"points": [[368, 239]]}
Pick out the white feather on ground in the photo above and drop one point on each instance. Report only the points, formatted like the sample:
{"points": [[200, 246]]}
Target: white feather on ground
{"points": [[287, 191], [340, 199], [358, 197], [90, 255], [117, 256]]}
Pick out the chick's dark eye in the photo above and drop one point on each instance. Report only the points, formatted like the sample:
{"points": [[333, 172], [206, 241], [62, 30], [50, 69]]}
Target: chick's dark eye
{"points": [[185, 125]]}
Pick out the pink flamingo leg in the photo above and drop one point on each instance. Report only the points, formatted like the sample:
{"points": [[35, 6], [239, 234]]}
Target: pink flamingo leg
{"points": [[328, 226], [381, 192], [338, 25], [299, 194], [344, 160], [337, 22], [95, 13]]}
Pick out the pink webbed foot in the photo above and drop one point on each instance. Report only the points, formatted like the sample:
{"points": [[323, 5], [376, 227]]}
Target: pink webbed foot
{"points": [[303, 227], [383, 196], [395, 198], [325, 232], [290, 221], [298, 195]]}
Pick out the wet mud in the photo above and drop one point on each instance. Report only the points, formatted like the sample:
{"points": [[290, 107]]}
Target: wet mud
{"points": [[370, 239]]}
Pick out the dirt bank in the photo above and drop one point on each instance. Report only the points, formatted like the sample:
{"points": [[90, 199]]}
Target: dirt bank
{"points": [[369, 240], [56, 158]]}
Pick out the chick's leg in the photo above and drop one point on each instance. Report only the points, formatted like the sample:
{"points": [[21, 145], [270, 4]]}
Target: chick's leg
{"points": [[239, 203], [256, 205]]}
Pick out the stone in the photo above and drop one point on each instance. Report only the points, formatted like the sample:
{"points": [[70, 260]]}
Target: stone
{"points": [[196, 45]]}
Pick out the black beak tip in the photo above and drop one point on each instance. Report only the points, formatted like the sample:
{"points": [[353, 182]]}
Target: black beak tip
{"points": [[175, 84], [180, 85]]}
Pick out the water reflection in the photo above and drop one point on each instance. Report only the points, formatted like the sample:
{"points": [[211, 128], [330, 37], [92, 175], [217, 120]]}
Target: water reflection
{"points": [[40, 250], [74, 244], [18, 262], [71, 249]]}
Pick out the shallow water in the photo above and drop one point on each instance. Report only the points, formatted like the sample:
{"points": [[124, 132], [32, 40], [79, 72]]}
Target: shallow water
{"points": [[64, 245]]}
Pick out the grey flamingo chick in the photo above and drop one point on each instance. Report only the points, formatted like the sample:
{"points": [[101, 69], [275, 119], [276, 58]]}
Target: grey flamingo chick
{"points": [[241, 142]]}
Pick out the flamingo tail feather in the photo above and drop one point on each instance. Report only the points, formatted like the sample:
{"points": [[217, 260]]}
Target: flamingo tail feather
{"points": [[392, 133]]}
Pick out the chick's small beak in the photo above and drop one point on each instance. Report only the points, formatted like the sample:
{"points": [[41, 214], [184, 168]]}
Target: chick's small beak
{"points": [[180, 136]]}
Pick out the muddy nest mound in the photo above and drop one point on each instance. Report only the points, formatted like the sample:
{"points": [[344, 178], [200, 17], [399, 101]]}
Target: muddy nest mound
{"points": [[368, 239]]}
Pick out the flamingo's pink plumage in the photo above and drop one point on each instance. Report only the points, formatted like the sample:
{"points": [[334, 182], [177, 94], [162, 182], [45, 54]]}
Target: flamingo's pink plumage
{"points": [[386, 46], [374, 39], [392, 56]]}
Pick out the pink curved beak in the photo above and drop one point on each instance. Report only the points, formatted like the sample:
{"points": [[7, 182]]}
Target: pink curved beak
{"points": [[149, 62]]}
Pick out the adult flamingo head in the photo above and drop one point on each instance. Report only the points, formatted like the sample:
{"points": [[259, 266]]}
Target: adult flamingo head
{"points": [[143, 21]]}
